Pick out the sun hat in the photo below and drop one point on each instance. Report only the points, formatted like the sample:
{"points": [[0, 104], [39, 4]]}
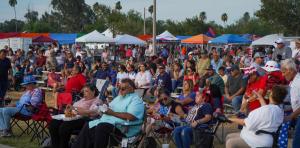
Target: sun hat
{"points": [[28, 80], [271, 66]]}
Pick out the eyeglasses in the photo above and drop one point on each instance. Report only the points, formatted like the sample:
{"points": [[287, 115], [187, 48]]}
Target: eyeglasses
{"points": [[123, 88]]}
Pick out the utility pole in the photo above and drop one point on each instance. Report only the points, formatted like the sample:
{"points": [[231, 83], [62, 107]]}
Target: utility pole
{"points": [[154, 27], [144, 20]]}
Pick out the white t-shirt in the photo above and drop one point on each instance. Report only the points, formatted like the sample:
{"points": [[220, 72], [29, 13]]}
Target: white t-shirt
{"points": [[267, 118], [121, 76], [295, 93], [132, 75], [143, 78]]}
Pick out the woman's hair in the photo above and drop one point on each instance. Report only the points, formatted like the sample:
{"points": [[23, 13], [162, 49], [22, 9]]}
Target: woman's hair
{"points": [[191, 84], [163, 91], [144, 64], [279, 93], [122, 67], [78, 68], [92, 88]]}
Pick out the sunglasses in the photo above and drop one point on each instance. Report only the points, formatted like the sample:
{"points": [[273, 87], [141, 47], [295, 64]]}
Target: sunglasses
{"points": [[123, 88], [161, 68]]}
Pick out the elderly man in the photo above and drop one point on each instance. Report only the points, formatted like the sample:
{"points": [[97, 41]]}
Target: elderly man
{"points": [[128, 108], [289, 71], [281, 52], [32, 96]]}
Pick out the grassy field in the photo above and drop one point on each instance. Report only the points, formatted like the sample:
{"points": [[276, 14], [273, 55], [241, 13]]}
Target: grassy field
{"points": [[24, 141]]}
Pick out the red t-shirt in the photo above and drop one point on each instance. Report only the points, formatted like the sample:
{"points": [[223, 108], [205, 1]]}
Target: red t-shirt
{"points": [[260, 83], [40, 61], [75, 83]]}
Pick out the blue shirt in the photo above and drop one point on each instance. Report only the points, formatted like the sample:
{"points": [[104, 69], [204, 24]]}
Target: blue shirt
{"points": [[164, 81], [192, 95], [30, 97], [102, 74], [130, 103]]}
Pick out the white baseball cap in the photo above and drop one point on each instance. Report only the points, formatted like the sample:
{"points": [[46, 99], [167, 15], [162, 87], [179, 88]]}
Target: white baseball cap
{"points": [[279, 41]]}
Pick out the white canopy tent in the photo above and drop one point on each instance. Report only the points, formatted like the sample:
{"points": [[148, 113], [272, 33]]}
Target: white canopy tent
{"points": [[166, 36], [108, 33], [95, 37], [128, 39], [267, 40]]}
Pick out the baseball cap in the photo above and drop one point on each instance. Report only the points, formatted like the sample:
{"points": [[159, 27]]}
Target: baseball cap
{"points": [[258, 55], [279, 41], [191, 53], [235, 67]]}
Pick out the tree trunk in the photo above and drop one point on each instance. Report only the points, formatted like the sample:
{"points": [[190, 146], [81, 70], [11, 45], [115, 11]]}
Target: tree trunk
{"points": [[16, 19]]}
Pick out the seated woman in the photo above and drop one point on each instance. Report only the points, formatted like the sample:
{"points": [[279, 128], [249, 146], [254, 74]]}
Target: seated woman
{"points": [[267, 117], [75, 82], [53, 79], [32, 96], [192, 75], [164, 109], [60, 131], [198, 117], [187, 98]]}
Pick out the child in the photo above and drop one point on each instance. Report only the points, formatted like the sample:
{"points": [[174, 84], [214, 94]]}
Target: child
{"points": [[222, 74]]}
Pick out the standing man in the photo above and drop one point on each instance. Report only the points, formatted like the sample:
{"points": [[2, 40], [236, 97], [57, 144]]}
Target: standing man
{"points": [[5, 70], [281, 52], [289, 71]]}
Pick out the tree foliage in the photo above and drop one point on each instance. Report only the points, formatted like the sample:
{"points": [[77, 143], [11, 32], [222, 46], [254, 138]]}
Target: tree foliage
{"points": [[283, 15], [77, 16]]}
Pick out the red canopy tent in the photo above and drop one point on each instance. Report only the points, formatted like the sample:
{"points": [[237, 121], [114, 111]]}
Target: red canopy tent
{"points": [[43, 39], [145, 37], [8, 35]]}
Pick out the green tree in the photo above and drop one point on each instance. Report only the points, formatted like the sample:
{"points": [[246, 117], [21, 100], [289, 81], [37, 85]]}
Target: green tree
{"points": [[283, 15], [202, 16], [13, 4], [224, 18], [31, 16], [118, 6], [150, 9], [246, 17], [9, 26], [74, 14]]}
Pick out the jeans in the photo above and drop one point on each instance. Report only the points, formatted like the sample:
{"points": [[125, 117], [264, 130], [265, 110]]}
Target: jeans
{"points": [[296, 138], [235, 102], [3, 88], [183, 136], [5, 115]]}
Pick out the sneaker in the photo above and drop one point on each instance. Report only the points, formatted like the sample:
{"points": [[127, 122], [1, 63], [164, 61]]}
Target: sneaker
{"points": [[5, 134]]}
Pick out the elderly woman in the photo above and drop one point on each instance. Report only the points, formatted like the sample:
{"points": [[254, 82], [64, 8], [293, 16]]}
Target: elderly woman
{"points": [[198, 117], [32, 96], [268, 118], [60, 131]]}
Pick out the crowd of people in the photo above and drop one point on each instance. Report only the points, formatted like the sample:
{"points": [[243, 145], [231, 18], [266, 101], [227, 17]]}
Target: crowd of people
{"points": [[183, 88]]}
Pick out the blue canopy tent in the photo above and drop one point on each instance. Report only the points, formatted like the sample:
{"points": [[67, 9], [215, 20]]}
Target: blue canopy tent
{"points": [[182, 37], [63, 38], [230, 39]]}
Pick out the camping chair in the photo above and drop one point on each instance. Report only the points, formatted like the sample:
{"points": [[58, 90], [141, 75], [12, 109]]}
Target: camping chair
{"points": [[40, 121], [64, 99], [163, 133], [18, 117], [102, 86], [275, 136], [132, 142]]}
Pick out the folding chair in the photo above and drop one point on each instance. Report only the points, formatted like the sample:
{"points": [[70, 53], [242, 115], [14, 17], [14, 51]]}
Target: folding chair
{"points": [[40, 121], [15, 122], [102, 86], [131, 142]]}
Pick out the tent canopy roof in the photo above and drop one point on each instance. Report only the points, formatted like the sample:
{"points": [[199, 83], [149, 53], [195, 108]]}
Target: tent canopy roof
{"points": [[197, 39], [64, 38], [43, 39], [128, 39], [229, 38], [267, 40], [166, 36], [95, 37]]}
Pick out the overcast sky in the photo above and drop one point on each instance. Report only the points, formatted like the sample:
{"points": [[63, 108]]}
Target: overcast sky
{"points": [[166, 9]]}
